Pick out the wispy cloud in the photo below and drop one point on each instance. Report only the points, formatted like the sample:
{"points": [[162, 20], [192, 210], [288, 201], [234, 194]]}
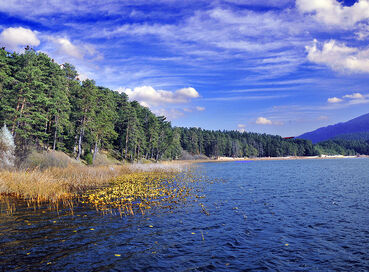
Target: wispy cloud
{"points": [[246, 98]]}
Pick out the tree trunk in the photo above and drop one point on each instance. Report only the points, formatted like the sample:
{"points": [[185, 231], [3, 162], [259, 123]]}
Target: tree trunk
{"points": [[80, 144], [126, 151], [96, 149], [15, 124], [56, 132]]}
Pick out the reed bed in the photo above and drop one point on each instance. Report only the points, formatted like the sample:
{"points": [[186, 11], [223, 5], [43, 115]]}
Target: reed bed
{"points": [[67, 187]]}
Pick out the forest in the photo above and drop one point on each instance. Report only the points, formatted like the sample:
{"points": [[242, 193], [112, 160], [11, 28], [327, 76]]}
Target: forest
{"points": [[47, 107]]}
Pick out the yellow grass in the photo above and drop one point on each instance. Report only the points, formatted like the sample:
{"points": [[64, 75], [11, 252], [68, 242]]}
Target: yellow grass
{"points": [[56, 186]]}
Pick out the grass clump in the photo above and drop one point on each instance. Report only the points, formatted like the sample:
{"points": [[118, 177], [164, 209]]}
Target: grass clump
{"points": [[47, 159]]}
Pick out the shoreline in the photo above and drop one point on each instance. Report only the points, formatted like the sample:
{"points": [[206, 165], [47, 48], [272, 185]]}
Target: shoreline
{"points": [[229, 159]]}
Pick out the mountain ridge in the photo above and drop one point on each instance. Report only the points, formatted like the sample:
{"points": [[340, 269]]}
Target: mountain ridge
{"points": [[359, 124]]}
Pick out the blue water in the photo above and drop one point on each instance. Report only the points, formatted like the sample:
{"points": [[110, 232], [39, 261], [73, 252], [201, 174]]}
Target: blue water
{"points": [[301, 215]]}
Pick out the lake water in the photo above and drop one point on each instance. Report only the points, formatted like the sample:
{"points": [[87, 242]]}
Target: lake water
{"points": [[300, 215]]}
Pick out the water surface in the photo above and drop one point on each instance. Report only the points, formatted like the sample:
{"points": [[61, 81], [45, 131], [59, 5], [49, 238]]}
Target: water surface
{"points": [[301, 215]]}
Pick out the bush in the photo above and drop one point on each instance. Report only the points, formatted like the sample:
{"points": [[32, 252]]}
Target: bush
{"points": [[88, 158]]}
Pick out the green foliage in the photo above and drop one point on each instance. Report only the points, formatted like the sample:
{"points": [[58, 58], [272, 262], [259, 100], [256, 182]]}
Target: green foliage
{"points": [[46, 106], [343, 147], [88, 158], [237, 144]]}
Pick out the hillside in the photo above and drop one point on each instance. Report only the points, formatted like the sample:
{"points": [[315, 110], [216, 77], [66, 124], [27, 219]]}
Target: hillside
{"points": [[353, 129]]}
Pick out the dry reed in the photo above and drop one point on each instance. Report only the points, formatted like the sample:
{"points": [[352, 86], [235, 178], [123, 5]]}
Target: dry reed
{"points": [[62, 186]]}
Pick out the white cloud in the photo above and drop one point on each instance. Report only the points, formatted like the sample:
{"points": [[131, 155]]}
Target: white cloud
{"points": [[331, 12], [66, 47], [354, 96], [263, 121], [357, 98], [334, 100], [339, 57], [15, 37], [241, 127], [170, 114], [197, 108], [149, 96], [350, 99]]}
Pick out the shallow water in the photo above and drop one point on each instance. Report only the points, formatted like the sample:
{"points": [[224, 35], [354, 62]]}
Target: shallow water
{"points": [[302, 215]]}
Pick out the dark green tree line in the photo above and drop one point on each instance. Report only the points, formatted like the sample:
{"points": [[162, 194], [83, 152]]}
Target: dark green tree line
{"points": [[46, 106]]}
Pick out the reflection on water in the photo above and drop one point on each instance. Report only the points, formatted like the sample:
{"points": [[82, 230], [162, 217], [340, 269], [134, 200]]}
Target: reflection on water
{"points": [[308, 215]]}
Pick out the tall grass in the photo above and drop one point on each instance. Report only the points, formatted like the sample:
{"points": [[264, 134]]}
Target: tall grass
{"points": [[56, 186]]}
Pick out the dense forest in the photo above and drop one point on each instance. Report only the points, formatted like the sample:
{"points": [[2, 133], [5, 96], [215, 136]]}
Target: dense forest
{"points": [[46, 106]]}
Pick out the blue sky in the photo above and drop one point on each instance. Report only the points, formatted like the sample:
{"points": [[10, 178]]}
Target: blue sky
{"points": [[280, 67]]}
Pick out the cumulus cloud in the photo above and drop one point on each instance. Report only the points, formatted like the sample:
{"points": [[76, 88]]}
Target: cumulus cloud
{"points": [[334, 100], [339, 57], [354, 96], [149, 96], [198, 108], [350, 99], [16, 37], [331, 12], [263, 121]]}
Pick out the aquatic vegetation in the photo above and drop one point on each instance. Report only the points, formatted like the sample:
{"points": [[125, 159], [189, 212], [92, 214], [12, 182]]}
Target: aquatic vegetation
{"points": [[137, 192], [127, 189]]}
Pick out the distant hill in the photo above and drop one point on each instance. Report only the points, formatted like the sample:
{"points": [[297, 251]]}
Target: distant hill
{"points": [[355, 129], [361, 136]]}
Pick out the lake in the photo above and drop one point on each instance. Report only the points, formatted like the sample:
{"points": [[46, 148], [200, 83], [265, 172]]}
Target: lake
{"points": [[295, 215]]}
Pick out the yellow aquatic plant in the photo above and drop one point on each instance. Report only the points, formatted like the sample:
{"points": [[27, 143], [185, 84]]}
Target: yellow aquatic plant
{"points": [[140, 191]]}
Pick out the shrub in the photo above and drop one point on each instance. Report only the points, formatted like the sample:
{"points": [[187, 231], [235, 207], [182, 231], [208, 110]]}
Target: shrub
{"points": [[88, 158]]}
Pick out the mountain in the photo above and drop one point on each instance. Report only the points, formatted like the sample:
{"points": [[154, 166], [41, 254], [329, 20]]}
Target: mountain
{"points": [[354, 128]]}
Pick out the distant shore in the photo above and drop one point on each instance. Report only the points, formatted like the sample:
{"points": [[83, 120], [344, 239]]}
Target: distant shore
{"points": [[230, 159]]}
